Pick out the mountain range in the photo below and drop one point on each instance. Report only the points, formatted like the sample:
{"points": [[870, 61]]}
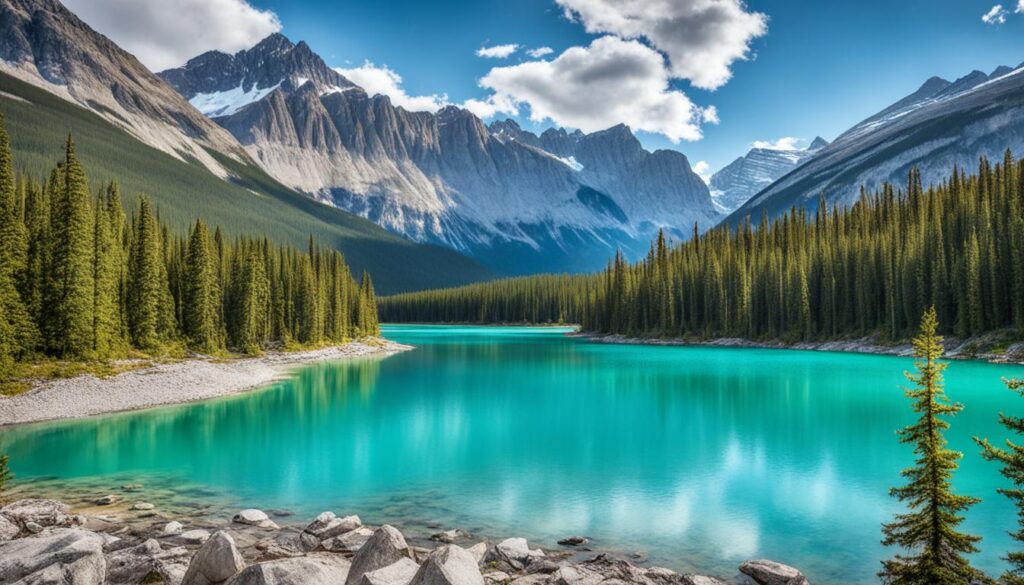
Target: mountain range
{"points": [[518, 202], [737, 182], [941, 125]]}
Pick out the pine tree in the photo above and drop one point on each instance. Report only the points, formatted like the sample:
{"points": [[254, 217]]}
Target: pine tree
{"points": [[147, 282], [202, 292], [17, 331], [928, 529], [107, 273], [1012, 459], [72, 270]]}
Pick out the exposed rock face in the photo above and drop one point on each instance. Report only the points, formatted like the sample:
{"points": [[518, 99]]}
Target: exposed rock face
{"points": [[386, 546], [554, 202], [327, 526], [771, 573], [743, 178], [515, 552], [45, 44], [34, 515], [348, 542], [398, 573], [8, 529], [940, 125], [61, 556], [448, 565], [217, 561], [315, 569]]}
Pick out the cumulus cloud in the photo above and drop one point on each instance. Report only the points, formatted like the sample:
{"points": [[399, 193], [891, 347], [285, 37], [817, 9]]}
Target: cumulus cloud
{"points": [[702, 38], [997, 15], [545, 51], [703, 170], [611, 81], [784, 143], [167, 33], [1020, 6], [497, 51], [385, 81]]}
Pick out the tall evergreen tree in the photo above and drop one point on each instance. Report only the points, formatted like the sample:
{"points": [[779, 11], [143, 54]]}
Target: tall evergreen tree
{"points": [[148, 311], [202, 292], [1012, 459], [929, 528], [72, 271], [107, 273]]}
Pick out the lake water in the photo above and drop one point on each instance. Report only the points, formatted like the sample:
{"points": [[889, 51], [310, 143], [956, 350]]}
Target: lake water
{"points": [[699, 457]]}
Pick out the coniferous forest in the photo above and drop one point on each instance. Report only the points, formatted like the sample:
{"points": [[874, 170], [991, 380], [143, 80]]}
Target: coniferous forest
{"points": [[870, 268], [82, 278]]}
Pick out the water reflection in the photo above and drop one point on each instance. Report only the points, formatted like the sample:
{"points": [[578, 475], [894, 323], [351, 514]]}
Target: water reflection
{"points": [[702, 457]]}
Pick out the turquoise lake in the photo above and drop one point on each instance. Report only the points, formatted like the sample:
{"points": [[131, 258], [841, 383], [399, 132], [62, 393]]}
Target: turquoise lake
{"points": [[699, 457]]}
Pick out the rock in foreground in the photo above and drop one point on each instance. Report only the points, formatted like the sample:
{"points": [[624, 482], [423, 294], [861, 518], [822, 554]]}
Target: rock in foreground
{"points": [[217, 561], [314, 569], [65, 556], [766, 572], [385, 547]]}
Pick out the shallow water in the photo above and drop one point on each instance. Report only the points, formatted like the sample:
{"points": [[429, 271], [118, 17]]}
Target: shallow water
{"points": [[700, 457]]}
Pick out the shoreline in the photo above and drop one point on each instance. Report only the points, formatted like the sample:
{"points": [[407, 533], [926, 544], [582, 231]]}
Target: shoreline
{"points": [[955, 349], [180, 382]]}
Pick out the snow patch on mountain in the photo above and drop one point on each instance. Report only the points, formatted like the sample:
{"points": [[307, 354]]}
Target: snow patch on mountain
{"points": [[226, 103]]}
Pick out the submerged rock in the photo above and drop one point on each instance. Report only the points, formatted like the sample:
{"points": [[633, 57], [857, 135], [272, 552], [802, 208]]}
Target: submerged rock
{"points": [[142, 506], [386, 546], [449, 565], [766, 572], [574, 541], [107, 500], [398, 573], [314, 569], [448, 536], [216, 561], [68, 556], [254, 517]]}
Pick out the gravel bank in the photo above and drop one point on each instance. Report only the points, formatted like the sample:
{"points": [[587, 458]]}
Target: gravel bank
{"points": [[173, 383]]}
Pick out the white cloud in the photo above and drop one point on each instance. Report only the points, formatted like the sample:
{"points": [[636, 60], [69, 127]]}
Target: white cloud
{"points": [[166, 33], [545, 51], [703, 170], [702, 38], [385, 81], [611, 81], [497, 51], [1020, 7], [492, 106], [997, 15], [784, 143]]}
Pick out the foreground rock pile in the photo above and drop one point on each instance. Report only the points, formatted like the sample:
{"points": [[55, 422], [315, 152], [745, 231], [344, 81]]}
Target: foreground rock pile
{"points": [[42, 543]]}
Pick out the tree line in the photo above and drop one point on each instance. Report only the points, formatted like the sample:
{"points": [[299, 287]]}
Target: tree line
{"points": [[869, 268], [80, 279]]}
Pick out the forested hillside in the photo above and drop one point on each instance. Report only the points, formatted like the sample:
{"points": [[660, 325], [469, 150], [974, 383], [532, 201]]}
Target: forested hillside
{"points": [[252, 202], [82, 279], [872, 268]]}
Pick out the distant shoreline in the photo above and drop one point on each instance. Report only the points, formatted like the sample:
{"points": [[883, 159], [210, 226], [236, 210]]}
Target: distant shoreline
{"points": [[955, 349], [181, 382]]}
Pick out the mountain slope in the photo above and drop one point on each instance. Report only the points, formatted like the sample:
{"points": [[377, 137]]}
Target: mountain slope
{"points": [[43, 43], [744, 177], [251, 203], [519, 202], [940, 125]]}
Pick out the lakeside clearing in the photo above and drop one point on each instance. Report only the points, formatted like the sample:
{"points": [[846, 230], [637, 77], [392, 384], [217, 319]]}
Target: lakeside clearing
{"points": [[178, 382]]}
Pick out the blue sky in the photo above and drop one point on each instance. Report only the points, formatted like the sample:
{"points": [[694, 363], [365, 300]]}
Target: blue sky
{"points": [[818, 67]]}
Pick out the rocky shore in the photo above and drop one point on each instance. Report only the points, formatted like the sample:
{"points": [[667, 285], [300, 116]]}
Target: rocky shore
{"points": [[178, 382], [986, 348], [44, 542]]}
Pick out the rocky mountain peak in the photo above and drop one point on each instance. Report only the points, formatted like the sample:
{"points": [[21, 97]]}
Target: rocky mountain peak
{"points": [[818, 143]]}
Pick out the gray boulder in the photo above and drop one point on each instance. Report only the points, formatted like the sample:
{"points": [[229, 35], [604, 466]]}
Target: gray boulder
{"points": [[173, 527], [327, 525], [575, 575], [349, 542], [400, 573], [61, 556], [254, 517], [701, 580], [133, 565], [449, 565], [8, 529], [386, 546], [194, 536], [314, 569], [514, 552], [107, 500], [448, 536], [478, 550], [216, 561], [41, 513], [766, 572]]}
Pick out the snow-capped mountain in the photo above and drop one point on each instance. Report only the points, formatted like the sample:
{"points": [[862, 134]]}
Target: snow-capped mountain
{"points": [[741, 179], [940, 125], [43, 43], [518, 201]]}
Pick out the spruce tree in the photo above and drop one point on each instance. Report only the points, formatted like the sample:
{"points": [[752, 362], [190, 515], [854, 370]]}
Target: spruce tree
{"points": [[1012, 459], [202, 292], [17, 331], [107, 276], [929, 528], [147, 282], [72, 270]]}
